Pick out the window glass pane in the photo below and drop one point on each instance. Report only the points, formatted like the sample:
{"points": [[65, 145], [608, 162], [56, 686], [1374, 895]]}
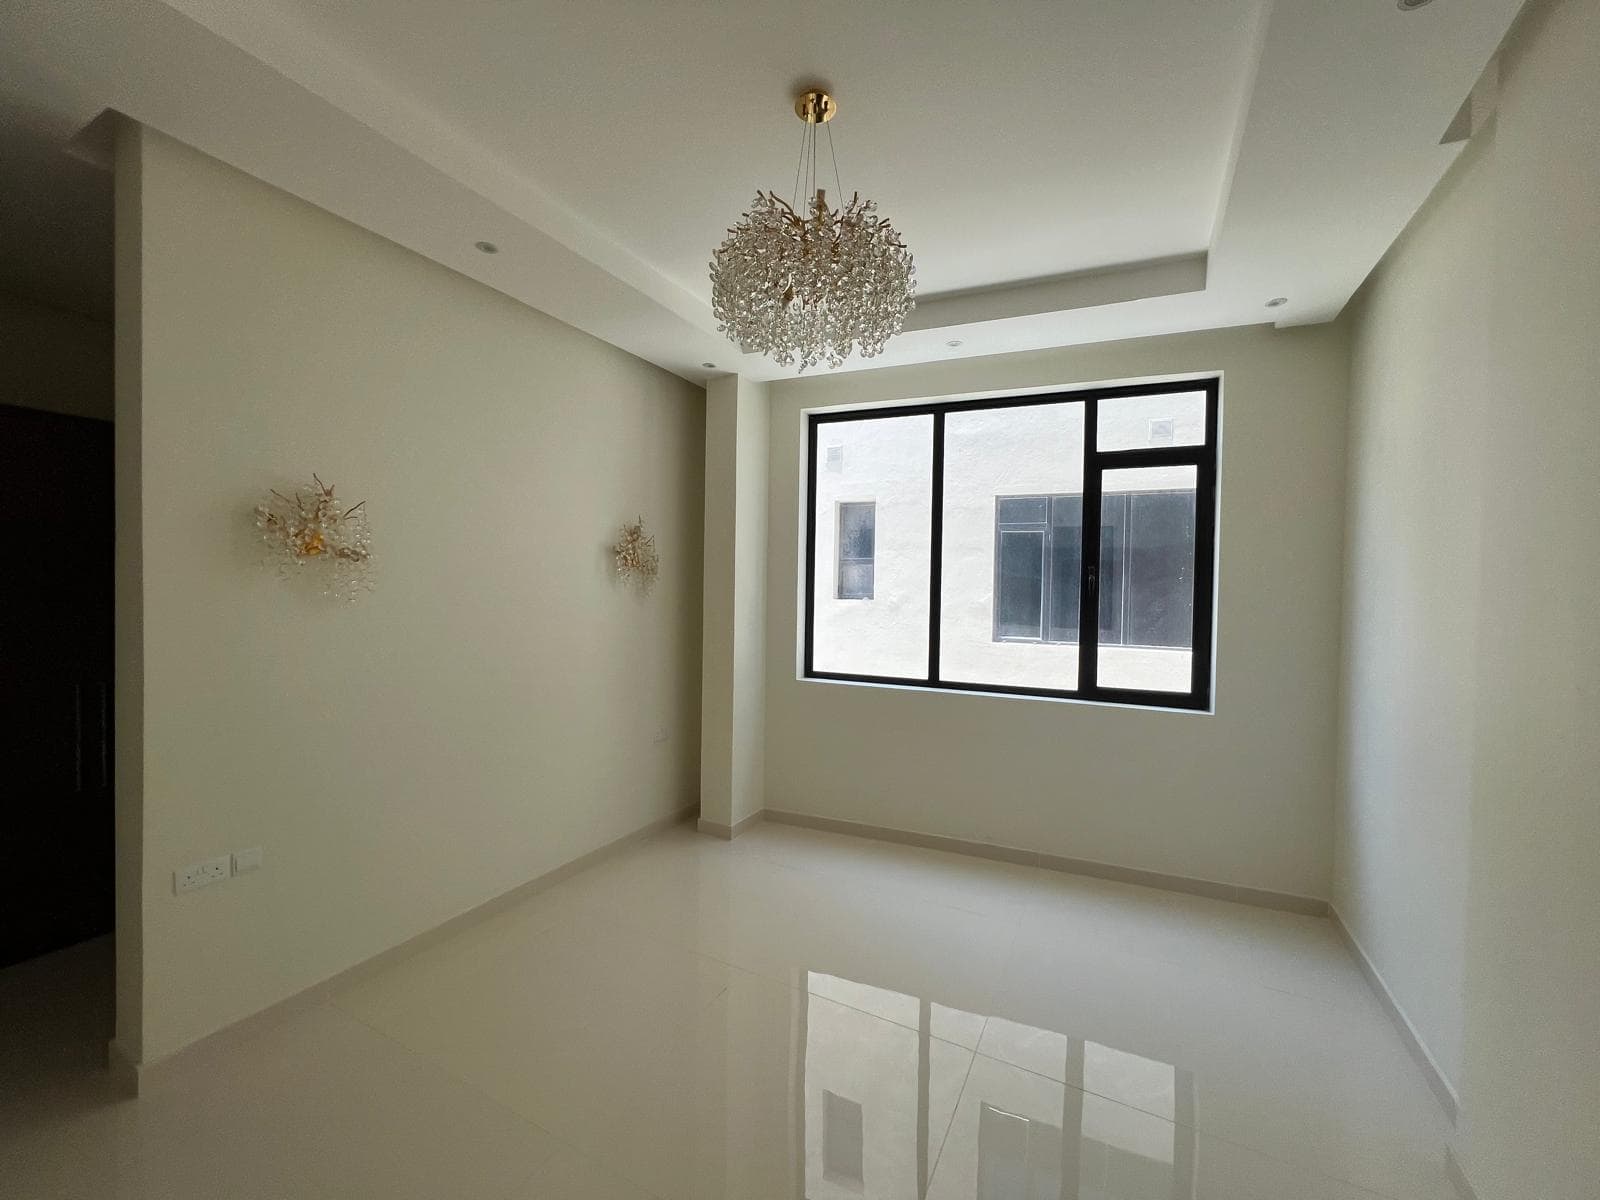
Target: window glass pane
{"points": [[1139, 422], [1019, 605], [1021, 510], [855, 531], [1008, 612], [1066, 567], [1113, 547], [855, 580], [1147, 576], [873, 499], [857, 522]]}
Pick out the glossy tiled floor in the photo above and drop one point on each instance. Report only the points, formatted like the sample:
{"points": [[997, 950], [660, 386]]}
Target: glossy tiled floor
{"points": [[794, 1015]]}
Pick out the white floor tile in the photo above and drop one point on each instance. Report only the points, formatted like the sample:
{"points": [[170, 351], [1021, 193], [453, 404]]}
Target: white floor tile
{"points": [[569, 1175], [795, 1014]]}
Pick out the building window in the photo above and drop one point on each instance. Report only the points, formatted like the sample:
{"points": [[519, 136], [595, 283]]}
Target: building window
{"points": [[1056, 545], [857, 527], [1146, 556]]}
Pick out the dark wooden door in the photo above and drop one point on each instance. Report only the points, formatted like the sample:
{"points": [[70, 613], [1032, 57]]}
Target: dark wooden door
{"points": [[56, 543]]}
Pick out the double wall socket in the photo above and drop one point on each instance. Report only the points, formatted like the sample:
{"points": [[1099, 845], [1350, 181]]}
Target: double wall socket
{"points": [[202, 874], [215, 870]]}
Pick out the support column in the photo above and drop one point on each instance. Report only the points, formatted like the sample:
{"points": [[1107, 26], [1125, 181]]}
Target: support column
{"points": [[733, 663]]}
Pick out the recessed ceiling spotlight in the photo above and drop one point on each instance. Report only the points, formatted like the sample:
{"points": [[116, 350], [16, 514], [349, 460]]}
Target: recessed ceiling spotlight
{"points": [[1277, 302], [953, 343], [1408, 5], [709, 366], [487, 247]]}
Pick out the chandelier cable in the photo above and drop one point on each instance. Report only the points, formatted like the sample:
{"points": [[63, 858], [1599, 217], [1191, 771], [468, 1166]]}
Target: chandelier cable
{"points": [[799, 163], [835, 157], [811, 182]]}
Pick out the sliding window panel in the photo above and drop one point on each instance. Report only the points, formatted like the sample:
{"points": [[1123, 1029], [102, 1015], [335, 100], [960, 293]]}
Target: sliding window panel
{"points": [[873, 531], [1147, 579], [1012, 546]]}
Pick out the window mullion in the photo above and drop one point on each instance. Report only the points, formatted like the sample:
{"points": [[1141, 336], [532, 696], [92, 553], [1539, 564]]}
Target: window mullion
{"points": [[809, 649], [936, 547], [1089, 578]]}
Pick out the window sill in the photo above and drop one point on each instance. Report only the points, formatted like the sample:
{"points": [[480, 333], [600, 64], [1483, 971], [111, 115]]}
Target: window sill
{"points": [[1005, 694]]}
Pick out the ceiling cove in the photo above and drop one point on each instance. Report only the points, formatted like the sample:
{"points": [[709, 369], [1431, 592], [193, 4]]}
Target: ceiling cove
{"points": [[1071, 173]]}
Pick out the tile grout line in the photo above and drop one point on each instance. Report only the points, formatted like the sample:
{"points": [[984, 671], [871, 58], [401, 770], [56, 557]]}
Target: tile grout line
{"points": [[974, 1053], [449, 1073], [1014, 920], [1202, 1132], [955, 1108]]}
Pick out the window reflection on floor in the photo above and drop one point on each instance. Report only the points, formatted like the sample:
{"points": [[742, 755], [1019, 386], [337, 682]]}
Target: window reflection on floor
{"points": [[1037, 1115]]}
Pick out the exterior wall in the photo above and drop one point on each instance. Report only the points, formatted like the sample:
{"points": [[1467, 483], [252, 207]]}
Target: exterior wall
{"points": [[1243, 795]]}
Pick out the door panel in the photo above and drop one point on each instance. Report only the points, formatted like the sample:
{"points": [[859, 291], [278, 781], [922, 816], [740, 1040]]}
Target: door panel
{"points": [[56, 535]]}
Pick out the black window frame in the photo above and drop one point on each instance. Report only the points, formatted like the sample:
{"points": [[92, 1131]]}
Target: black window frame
{"points": [[1203, 457]]}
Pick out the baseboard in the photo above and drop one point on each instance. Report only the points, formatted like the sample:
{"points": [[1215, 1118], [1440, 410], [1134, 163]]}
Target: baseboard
{"points": [[1309, 906], [1442, 1090], [131, 1075], [1458, 1177], [727, 832]]}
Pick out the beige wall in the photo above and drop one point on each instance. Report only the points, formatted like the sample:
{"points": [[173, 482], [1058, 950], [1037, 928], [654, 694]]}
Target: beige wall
{"points": [[733, 672], [1477, 363], [128, 636], [55, 360], [498, 706], [1242, 796], [1418, 479]]}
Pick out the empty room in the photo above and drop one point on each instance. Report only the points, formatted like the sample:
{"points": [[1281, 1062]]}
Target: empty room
{"points": [[710, 600]]}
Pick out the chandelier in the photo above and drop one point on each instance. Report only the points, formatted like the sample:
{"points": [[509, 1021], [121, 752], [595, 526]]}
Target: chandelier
{"points": [[805, 282]]}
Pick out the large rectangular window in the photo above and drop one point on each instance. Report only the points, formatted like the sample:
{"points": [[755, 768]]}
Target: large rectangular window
{"points": [[1055, 545]]}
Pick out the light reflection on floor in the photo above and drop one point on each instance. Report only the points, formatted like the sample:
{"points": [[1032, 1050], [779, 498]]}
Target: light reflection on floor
{"points": [[883, 1103], [793, 1016]]}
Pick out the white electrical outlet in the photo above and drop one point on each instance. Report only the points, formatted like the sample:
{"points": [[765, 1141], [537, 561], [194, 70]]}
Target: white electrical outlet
{"points": [[201, 874], [245, 861]]}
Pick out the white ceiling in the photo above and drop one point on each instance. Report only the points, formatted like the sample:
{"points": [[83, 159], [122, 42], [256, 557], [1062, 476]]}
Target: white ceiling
{"points": [[984, 140], [1064, 170]]}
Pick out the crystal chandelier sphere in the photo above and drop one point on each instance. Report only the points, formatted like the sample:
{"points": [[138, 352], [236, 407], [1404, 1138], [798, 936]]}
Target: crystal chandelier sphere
{"points": [[813, 287]]}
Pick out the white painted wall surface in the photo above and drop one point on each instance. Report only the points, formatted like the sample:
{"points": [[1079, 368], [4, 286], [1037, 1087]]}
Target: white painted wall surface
{"points": [[1419, 480], [733, 655], [1487, 315], [1244, 795], [491, 710]]}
